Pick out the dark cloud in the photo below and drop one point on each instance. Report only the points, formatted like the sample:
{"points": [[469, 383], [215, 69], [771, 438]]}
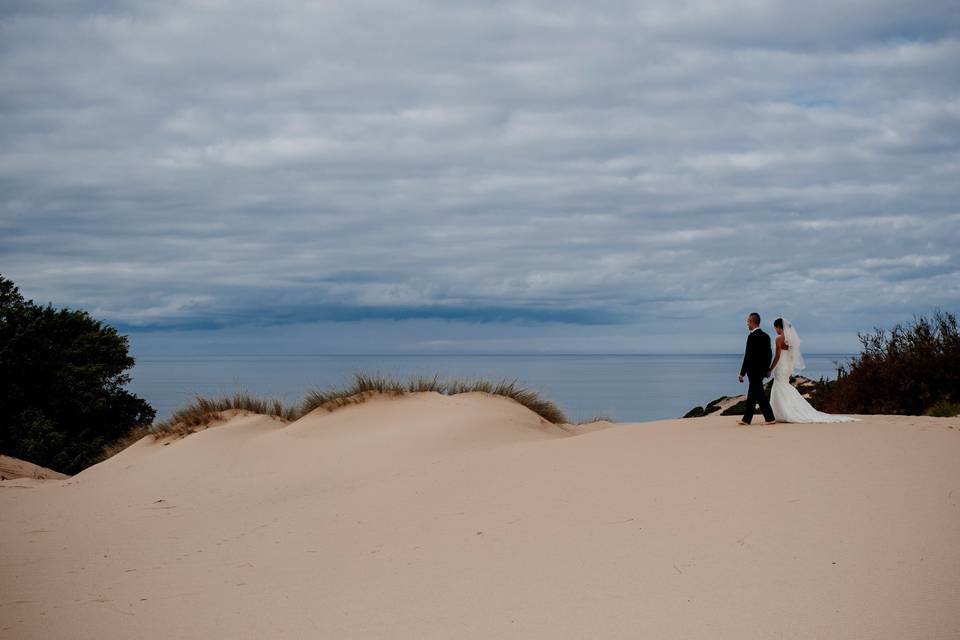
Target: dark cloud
{"points": [[207, 165]]}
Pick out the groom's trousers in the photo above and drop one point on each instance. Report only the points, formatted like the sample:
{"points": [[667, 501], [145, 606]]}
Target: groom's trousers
{"points": [[755, 395]]}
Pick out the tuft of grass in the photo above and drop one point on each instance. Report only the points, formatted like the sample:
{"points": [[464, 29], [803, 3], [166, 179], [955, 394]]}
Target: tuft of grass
{"points": [[123, 442], [364, 383], [202, 411], [600, 417], [365, 386], [199, 413], [944, 409], [530, 399], [421, 384]]}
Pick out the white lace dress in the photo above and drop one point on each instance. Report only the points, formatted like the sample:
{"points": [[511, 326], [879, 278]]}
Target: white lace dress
{"points": [[787, 403]]}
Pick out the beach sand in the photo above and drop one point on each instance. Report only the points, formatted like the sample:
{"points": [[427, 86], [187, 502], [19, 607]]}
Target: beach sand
{"points": [[466, 516], [13, 468]]}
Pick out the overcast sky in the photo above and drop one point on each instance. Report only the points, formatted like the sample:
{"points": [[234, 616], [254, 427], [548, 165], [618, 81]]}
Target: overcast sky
{"points": [[356, 176]]}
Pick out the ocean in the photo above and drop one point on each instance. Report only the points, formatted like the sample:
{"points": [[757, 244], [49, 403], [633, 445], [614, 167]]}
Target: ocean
{"points": [[627, 388]]}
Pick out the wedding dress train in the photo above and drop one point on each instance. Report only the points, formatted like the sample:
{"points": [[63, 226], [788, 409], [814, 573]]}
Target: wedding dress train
{"points": [[787, 403]]}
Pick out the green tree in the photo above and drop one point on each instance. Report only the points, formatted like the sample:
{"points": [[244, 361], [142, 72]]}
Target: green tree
{"points": [[62, 397]]}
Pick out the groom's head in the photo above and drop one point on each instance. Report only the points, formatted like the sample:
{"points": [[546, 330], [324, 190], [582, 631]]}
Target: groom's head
{"points": [[753, 320]]}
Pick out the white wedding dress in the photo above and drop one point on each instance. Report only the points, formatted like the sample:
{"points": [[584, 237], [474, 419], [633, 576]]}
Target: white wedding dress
{"points": [[787, 403]]}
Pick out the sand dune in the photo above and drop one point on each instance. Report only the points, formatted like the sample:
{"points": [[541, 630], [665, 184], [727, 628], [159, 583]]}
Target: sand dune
{"points": [[467, 516], [12, 468]]}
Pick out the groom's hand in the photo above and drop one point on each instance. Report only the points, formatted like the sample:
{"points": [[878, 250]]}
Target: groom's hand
{"points": [[741, 378]]}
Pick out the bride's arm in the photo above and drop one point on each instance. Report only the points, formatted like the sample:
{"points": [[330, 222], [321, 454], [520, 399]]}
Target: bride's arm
{"points": [[776, 358]]}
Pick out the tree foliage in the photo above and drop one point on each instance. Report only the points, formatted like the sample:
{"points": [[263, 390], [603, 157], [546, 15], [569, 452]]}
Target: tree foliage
{"points": [[62, 399], [910, 370]]}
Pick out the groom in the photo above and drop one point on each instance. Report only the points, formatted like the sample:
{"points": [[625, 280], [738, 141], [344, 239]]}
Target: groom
{"points": [[756, 365]]}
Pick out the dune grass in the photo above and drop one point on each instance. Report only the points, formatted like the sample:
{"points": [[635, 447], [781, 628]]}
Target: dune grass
{"points": [[599, 417], [202, 411], [365, 386], [123, 442]]}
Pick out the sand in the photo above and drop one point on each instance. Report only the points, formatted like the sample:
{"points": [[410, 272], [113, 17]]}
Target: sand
{"points": [[12, 468], [467, 517]]}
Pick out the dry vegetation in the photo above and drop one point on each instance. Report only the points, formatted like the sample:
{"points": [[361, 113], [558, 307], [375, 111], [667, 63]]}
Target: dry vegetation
{"points": [[365, 386], [200, 413], [123, 442], [912, 369], [203, 411], [600, 417]]}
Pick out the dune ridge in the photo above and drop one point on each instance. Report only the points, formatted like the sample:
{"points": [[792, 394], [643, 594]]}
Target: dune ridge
{"points": [[434, 516], [12, 468]]}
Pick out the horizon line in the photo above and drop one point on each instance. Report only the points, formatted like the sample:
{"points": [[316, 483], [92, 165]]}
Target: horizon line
{"points": [[471, 354]]}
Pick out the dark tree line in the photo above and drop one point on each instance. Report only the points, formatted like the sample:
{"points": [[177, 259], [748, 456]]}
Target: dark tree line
{"points": [[62, 397], [912, 369]]}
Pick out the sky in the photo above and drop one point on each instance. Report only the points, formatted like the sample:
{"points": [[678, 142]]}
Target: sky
{"points": [[481, 177]]}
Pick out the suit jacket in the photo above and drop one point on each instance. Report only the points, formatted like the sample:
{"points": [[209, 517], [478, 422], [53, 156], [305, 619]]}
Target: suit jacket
{"points": [[757, 356]]}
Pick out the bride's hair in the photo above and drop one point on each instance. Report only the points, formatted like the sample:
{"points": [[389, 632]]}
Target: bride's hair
{"points": [[778, 323]]}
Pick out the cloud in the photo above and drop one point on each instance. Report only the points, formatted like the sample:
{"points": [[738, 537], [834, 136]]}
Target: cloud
{"points": [[208, 164]]}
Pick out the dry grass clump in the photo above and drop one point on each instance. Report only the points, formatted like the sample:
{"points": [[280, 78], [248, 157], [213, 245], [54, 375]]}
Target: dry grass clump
{"points": [[600, 417], [366, 386], [202, 411], [199, 413], [123, 442]]}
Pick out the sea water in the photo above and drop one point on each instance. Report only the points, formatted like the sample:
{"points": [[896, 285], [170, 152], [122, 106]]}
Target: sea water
{"points": [[627, 388]]}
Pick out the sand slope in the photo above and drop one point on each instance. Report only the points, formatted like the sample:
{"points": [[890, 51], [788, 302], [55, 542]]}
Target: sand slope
{"points": [[12, 468], [467, 517]]}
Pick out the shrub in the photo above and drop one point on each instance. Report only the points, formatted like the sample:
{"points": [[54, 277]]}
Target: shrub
{"points": [[63, 398], [944, 409], [907, 370]]}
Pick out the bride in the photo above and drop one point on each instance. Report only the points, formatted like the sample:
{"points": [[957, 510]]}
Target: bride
{"points": [[787, 403]]}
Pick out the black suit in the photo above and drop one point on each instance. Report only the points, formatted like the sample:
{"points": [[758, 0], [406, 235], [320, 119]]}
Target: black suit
{"points": [[756, 364]]}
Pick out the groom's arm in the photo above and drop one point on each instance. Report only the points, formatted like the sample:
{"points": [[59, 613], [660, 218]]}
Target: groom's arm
{"points": [[746, 354]]}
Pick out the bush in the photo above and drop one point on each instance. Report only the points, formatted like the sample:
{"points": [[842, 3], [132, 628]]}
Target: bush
{"points": [[62, 401], [908, 370], [944, 409]]}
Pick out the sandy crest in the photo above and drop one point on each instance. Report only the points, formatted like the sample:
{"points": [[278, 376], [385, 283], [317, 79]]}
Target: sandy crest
{"points": [[468, 517], [13, 468]]}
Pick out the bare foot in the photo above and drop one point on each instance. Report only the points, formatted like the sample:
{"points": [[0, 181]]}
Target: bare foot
{"points": [[746, 424], [770, 422]]}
